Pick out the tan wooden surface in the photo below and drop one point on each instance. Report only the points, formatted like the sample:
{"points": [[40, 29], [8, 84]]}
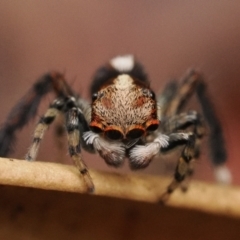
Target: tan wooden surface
{"points": [[211, 198], [48, 201]]}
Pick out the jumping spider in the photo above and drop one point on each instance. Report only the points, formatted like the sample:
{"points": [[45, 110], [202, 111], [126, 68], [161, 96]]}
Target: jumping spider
{"points": [[124, 120]]}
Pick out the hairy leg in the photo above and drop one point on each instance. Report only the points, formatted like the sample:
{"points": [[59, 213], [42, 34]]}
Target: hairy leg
{"points": [[74, 148], [26, 108], [175, 97], [54, 109]]}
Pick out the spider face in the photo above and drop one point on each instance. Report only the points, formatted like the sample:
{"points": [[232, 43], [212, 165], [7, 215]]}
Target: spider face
{"points": [[124, 109]]}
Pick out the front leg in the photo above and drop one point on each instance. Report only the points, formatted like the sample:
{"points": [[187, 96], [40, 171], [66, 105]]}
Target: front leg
{"points": [[74, 148]]}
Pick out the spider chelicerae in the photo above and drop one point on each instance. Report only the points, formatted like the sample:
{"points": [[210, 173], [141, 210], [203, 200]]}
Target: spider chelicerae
{"points": [[124, 120]]}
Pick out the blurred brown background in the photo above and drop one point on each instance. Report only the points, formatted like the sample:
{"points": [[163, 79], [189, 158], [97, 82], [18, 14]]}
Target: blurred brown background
{"points": [[76, 37]]}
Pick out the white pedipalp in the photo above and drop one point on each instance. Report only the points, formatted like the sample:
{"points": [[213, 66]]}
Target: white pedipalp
{"points": [[112, 152], [89, 137], [163, 140], [99, 142], [143, 154]]}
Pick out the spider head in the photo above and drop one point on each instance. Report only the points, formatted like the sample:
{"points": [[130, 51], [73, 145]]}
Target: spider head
{"points": [[124, 108]]}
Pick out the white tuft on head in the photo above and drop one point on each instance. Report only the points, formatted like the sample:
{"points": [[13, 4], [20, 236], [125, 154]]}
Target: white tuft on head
{"points": [[123, 81], [123, 63]]}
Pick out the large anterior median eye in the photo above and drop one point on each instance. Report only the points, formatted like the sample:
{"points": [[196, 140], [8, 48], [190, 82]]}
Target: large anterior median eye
{"points": [[152, 125], [96, 127], [135, 132], [113, 134]]}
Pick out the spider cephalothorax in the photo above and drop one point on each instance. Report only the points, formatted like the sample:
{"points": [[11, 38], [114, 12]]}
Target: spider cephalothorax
{"points": [[124, 109], [123, 120]]}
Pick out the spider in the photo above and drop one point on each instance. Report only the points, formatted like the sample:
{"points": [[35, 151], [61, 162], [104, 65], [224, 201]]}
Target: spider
{"points": [[125, 119]]}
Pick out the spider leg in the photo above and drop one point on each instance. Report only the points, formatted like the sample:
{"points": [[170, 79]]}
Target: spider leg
{"points": [[184, 165], [175, 95], [42, 126], [75, 122], [181, 122], [26, 108], [73, 130], [175, 98]]}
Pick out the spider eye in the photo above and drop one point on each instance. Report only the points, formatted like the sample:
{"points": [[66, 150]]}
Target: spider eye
{"points": [[152, 125], [135, 132], [94, 96], [113, 134], [152, 95], [148, 93], [96, 127], [145, 91]]}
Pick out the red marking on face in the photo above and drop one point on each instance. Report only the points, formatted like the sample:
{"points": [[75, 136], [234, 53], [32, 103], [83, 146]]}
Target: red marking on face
{"points": [[140, 101], [107, 102]]}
